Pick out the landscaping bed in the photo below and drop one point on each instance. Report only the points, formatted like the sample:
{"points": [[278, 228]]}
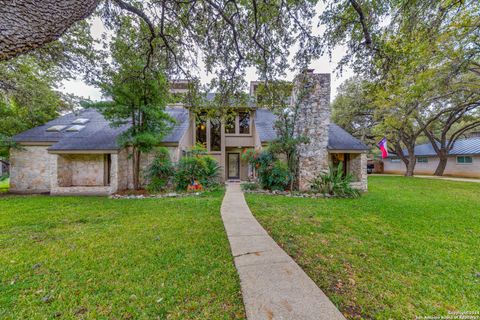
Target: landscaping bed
{"points": [[407, 248], [99, 258]]}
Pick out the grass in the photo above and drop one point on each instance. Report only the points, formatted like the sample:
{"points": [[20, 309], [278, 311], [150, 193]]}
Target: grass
{"points": [[98, 258], [4, 185], [410, 247]]}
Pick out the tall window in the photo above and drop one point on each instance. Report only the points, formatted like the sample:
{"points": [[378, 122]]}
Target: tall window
{"points": [[244, 122], [231, 124], [215, 135], [201, 134]]}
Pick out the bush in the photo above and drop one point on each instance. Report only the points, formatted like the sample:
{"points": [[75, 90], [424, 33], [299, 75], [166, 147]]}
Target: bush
{"points": [[160, 172], [273, 174], [202, 168], [276, 177], [249, 186], [335, 183]]}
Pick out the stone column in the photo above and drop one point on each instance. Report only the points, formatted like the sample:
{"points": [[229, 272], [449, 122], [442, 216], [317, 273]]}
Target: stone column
{"points": [[311, 94], [358, 167], [114, 173]]}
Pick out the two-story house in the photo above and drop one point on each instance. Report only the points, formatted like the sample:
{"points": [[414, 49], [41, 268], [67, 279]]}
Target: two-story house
{"points": [[78, 153]]}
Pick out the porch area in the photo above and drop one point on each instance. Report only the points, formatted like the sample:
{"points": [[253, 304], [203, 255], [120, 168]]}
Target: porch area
{"points": [[84, 174]]}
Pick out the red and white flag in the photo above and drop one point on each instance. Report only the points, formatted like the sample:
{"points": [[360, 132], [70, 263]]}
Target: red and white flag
{"points": [[383, 146]]}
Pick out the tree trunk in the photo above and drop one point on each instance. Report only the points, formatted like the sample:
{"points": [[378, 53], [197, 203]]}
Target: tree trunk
{"points": [[136, 168], [29, 24], [410, 167], [442, 156], [412, 160]]}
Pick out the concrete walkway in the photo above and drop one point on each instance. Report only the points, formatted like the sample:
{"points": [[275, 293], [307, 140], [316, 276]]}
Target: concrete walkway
{"points": [[273, 285]]}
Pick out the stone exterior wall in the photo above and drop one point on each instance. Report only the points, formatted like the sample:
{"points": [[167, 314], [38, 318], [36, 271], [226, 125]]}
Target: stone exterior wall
{"points": [[312, 95], [122, 178], [358, 168], [81, 170], [30, 169]]}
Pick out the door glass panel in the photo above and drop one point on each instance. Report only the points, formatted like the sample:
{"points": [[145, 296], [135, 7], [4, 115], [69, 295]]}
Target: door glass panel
{"points": [[233, 165]]}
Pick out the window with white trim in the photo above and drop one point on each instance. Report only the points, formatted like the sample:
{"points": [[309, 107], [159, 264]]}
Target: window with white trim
{"points": [[464, 160]]}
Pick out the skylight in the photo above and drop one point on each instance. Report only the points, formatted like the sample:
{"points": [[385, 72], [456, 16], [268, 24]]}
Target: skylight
{"points": [[80, 121], [75, 128], [56, 128]]}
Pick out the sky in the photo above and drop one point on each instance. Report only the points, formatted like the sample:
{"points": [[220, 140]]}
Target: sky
{"points": [[322, 65]]}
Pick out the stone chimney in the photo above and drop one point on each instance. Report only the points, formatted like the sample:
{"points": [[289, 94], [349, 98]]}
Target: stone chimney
{"points": [[311, 93]]}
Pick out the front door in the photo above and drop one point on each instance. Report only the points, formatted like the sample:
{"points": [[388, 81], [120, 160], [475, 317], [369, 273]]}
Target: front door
{"points": [[233, 165]]}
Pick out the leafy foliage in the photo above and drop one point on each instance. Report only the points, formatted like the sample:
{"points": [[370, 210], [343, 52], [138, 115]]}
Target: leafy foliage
{"points": [[27, 98], [160, 171], [198, 166], [277, 97], [273, 174], [138, 89], [335, 183], [354, 110]]}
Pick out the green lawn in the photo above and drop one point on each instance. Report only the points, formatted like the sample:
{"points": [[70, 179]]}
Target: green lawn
{"points": [[97, 258], [409, 247], [4, 185]]}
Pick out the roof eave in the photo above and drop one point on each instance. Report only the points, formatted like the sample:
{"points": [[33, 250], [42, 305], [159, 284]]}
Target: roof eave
{"points": [[86, 151]]}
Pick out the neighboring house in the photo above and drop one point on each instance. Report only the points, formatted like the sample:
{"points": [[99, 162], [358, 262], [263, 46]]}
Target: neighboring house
{"points": [[79, 154], [463, 160]]}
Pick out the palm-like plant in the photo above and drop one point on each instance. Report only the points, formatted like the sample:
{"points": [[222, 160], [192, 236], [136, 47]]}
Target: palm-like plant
{"points": [[335, 183]]}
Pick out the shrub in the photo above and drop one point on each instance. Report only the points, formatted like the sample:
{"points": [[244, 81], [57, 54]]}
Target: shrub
{"points": [[202, 168], [273, 174], [160, 172], [276, 177], [249, 155], [335, 183], [249, 186]]}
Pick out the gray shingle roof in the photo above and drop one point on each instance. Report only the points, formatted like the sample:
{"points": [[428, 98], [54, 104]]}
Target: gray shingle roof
{"points": [[338, 138], [468, 146], [264, 124], [97, 134]]}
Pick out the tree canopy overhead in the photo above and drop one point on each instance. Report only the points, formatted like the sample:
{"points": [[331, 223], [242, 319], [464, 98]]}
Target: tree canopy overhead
{"points": [[228, 35]]}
